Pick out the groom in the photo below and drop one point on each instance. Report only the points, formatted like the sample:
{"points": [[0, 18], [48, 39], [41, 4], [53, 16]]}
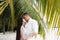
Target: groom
{"points": [[31, 26]]}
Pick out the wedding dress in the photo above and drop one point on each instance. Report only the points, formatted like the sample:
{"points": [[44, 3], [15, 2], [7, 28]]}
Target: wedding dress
{"points": [[38, 37]]}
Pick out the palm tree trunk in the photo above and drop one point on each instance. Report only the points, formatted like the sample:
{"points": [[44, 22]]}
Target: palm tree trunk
{"points": [[12, 13], [4, 28]]}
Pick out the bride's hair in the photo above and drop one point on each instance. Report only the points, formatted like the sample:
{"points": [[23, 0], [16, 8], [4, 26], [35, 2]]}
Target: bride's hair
{"points": [[19, 24]]}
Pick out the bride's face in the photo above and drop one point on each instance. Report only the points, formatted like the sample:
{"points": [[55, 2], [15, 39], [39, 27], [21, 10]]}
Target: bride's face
{"points": [[24, 21]]}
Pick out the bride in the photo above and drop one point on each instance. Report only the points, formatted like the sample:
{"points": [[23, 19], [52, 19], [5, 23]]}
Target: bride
{"points": [[20, 30]]}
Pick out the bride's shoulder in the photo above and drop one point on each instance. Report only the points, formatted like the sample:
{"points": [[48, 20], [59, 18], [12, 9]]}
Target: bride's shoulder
{"points": [[22, 27]]}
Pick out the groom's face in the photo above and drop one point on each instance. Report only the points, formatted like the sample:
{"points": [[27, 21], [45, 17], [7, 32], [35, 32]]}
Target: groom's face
{"points": [[25, 17]]}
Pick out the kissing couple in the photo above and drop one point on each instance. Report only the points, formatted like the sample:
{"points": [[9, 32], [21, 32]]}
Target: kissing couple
{"points": [[27, 28]]}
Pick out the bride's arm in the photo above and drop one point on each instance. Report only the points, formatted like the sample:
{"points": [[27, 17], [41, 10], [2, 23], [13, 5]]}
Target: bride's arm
{"points": [[23, 36]]}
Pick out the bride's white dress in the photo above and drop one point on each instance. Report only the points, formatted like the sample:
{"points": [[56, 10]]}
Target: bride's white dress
{"points": [[38, 37]]}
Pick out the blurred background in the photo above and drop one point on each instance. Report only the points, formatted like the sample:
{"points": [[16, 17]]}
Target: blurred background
{"points": [[46, 12]]}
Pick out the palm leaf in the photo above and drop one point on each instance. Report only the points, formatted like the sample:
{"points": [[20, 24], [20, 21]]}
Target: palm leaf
{"points": [[3, 5]]}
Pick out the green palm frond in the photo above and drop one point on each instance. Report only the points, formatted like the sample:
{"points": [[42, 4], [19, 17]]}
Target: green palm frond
{"points": [[38, 9], [3, 5]]}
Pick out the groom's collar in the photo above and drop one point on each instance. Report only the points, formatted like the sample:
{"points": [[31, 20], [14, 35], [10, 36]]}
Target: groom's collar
{"points": [[29, 19]]}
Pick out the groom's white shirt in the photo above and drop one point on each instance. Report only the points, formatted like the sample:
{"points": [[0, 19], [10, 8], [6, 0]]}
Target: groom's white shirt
{"points": [[31, 26]]}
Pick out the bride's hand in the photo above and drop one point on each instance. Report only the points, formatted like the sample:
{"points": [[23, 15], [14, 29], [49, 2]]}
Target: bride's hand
{"points": [[32, 34]]}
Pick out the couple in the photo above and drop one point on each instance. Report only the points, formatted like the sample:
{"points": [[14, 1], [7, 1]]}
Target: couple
{"points": [[27, 28]]}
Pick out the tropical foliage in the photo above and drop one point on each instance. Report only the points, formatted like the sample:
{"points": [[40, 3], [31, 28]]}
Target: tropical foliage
{"points": [[46, 12]]}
